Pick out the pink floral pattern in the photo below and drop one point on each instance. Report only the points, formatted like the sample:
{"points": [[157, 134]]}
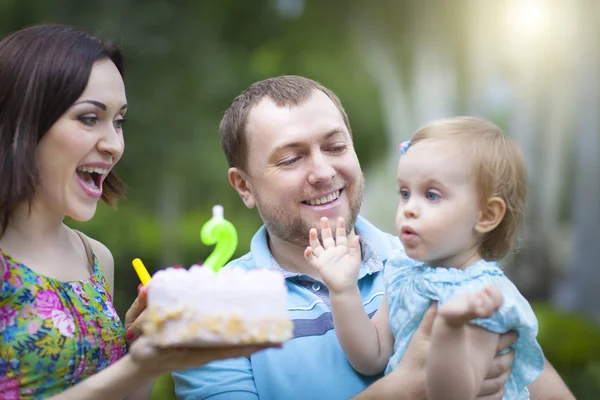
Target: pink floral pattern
{"points": [[63, 322], [9, 388], [46, 302], [56, 333], [7, 317]]}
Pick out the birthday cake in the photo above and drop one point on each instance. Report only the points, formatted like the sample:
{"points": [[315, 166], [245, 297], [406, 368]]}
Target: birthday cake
{"points": [[200, 307]]}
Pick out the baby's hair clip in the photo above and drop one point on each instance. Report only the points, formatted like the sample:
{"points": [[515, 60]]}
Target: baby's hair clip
{"points": [[404, 146]]}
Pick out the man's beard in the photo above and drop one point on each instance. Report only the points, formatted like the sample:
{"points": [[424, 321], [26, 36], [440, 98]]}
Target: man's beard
{"points": [[293, 229]]}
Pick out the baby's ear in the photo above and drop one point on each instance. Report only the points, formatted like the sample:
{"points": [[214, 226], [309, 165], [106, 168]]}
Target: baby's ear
{"points": [[239, 181], [491, 215]]}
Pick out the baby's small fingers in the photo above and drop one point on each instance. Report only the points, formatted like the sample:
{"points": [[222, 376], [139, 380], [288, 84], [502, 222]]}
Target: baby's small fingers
{"points": [[326, 234], [308, 254], [355, 245], [495, 295], [313, 241], [340, 233]]}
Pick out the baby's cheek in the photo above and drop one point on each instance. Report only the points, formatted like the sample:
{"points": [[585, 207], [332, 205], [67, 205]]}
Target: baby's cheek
{"points": [[399, 220]]}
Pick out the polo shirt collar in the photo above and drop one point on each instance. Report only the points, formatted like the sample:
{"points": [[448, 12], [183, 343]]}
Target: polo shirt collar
{"points": [[371, 241]]}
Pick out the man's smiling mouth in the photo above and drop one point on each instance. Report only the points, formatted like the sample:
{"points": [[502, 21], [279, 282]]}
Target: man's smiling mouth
{"points": [[324, 200]]}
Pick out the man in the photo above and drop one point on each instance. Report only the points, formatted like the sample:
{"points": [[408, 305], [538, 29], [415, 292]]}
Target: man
{"points": [[289, 146]]}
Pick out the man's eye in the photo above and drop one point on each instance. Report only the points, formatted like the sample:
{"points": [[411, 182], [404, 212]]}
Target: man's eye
{"points": [[289, 162]]}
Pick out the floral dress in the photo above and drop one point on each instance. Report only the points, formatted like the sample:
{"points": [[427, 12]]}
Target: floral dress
{"points": [[53, 333]]}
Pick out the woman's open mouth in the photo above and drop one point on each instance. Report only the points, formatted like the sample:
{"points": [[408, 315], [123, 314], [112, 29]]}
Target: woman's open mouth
{"points": [[90, 179]]}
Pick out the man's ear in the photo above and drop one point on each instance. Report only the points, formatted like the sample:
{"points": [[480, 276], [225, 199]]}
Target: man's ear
{"points": [[491, 215], [239, 180]]}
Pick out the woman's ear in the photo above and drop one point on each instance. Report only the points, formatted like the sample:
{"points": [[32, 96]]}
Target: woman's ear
{"points": [[239, 181], [491, 215]]}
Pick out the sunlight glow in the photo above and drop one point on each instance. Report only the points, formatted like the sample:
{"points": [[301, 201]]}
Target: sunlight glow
{"points": [[528, 19], [529, 16]]}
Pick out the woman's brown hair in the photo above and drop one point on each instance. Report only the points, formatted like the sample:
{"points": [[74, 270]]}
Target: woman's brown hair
{"points": [[43, 71]]}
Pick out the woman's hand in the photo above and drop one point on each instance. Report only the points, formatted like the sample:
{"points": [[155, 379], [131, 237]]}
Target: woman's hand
{"points": [[155, 361], [134, 316]]}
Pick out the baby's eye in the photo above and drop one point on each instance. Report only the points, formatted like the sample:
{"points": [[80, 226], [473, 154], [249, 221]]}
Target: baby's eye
{"points": [[405, 194], [432, 196]]}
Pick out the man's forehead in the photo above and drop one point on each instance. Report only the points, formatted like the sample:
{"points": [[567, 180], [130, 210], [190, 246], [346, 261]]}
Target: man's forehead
{"points": [[276, 125]]}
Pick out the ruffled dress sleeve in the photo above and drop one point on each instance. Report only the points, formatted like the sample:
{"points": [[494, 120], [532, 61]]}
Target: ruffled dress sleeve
{"points": [[515, 314]]}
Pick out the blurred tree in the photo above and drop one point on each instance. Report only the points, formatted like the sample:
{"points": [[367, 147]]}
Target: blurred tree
{"points": [[580, 290], [185, 62], [395, 66]]}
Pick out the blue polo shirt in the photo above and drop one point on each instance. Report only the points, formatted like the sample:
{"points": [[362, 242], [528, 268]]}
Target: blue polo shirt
{"points": [[312, 364]]}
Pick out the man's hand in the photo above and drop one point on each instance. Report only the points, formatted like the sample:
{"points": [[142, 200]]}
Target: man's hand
{"points": [[411, 369], [492, 387], [337, 260]]}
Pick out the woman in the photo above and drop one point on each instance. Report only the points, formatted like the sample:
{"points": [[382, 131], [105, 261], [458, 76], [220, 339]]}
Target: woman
{"points": [[62, 109]]}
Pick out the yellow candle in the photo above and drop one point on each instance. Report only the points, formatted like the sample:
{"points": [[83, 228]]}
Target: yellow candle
{"points": [[141, 271]]}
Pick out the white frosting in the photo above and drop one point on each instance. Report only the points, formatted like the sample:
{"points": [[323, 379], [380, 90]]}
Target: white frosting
{"points": [[238, 305]]}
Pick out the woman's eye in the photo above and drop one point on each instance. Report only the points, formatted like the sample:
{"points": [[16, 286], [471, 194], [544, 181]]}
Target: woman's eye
{"points": [[118, 124], [89, 120], [337, 149]]}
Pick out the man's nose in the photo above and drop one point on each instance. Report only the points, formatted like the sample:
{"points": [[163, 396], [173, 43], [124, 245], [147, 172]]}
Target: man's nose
{"points": [[321, 170]]}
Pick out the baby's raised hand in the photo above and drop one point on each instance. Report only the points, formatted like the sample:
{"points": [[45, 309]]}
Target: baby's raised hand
{"points": [[465, 307], [337, 260]]}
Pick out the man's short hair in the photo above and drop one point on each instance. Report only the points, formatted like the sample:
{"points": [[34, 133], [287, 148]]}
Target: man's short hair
{"points": [[285, 91]]}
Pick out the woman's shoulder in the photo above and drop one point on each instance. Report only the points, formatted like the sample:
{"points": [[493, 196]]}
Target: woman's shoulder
{"points": [[104, 257]]}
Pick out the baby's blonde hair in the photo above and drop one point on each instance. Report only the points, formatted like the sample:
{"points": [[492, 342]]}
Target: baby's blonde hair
{"points": [[499, 169]]}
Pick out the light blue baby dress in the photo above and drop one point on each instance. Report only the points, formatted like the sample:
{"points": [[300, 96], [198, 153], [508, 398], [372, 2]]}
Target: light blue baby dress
{"points": [[411, 287]]}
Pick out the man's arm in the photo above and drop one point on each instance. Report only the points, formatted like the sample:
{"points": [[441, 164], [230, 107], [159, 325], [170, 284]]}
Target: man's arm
{"points": [[231, 379], [549, 386]]}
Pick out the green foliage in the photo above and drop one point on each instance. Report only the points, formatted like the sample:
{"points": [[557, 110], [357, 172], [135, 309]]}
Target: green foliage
{"points": [[185, 62], [572, 345], [163, 389]]}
